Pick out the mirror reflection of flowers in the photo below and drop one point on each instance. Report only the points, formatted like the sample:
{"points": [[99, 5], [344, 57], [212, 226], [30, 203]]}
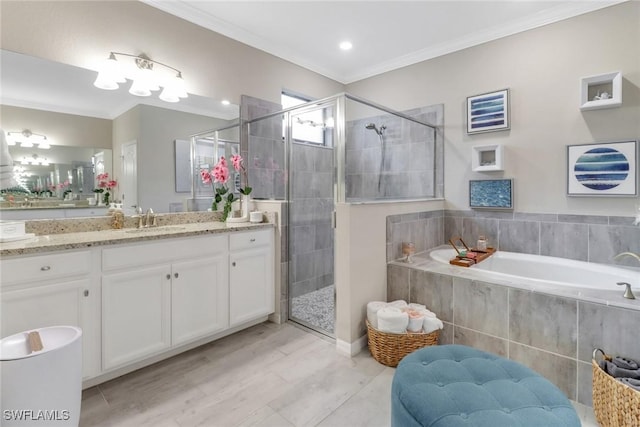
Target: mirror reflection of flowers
{"points": [[238, 165], [105, 186]]}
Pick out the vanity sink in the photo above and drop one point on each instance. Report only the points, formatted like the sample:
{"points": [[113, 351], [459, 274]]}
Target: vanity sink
{"points": [[165, 228]]}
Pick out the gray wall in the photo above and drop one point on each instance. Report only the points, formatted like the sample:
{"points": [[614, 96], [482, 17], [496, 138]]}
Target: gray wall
{"points": [[555, 336], [412, 157]]}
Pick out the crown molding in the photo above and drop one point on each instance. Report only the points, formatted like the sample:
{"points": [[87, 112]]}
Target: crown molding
{"points": [[558, 13]]}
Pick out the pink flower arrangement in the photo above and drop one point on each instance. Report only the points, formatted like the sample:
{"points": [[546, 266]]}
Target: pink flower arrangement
{"points": [[105, 185], [220, 175]]}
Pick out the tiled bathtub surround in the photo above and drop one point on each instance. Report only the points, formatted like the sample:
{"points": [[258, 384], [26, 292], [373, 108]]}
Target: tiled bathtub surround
{"points": [[581, 237], [553, 335]]}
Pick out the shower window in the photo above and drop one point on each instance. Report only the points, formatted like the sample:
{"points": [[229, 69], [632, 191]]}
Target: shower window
{"points": [[312, 127]]}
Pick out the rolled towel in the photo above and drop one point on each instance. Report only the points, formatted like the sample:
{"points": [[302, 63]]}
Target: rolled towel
{"points": [[416, 320], [414, 306], [393, 320], [633, 383], [625, 363], [431, 324], [398, 303], [616, 372], [372, 312]]}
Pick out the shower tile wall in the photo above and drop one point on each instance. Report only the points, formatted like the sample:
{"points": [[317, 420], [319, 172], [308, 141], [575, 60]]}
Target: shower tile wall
{"points": [[311, 205], [409, 164]]}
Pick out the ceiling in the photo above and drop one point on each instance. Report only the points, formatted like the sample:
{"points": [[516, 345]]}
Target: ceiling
{"points": [[386, 35]]}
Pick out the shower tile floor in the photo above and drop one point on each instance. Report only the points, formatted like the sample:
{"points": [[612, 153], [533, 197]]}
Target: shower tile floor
{"points": [[317, 308]]}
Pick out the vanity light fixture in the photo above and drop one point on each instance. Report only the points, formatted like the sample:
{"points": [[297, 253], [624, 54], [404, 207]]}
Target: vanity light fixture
{"points": [[147, 75], [26, 138]]}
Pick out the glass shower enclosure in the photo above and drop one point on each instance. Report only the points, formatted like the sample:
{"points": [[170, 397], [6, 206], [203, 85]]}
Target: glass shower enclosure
{"points": [[341, 149]]}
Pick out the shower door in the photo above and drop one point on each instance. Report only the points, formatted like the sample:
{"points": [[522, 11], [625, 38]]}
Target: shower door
{"points": [[311, 202]]}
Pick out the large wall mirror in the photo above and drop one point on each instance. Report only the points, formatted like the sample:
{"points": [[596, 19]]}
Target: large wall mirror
{"points": [[92, 131]]}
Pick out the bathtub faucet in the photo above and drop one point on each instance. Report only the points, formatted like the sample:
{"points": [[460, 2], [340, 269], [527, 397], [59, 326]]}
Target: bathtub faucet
{"points": [[624, 254]]}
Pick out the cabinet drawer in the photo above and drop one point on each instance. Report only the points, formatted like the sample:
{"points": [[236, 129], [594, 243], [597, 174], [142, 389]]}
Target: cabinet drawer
{"points": [[162, 251], [250, 239], [45, 267]]}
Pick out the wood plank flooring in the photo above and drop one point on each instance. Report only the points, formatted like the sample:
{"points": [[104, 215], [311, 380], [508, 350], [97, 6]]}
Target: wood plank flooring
{"points": [[265, 376]]}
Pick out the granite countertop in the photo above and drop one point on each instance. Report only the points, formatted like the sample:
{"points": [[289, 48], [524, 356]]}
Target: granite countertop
{"points": [[86, 239]]}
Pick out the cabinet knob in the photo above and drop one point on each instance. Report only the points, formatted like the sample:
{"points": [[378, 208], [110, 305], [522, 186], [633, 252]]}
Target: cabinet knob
{"points": [[45, 268], [86, 292], [233, 263], [168, 277], [175, 275]]}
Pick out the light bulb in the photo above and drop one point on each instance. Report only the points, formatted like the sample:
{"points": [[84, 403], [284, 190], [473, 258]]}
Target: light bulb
{"points": [[109, 75]]}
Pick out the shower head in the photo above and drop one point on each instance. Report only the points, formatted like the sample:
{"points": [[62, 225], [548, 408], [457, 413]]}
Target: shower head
{"points": [[372, 126]]}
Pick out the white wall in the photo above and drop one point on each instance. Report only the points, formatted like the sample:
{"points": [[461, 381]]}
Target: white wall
{"points": [[542, 68]]}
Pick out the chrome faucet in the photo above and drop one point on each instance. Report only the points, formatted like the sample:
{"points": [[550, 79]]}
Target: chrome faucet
{"points": [[150, 220], [139, 216]]}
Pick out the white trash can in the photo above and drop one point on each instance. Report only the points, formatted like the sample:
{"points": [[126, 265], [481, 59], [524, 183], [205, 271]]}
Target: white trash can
{"points": [[41, 387]]}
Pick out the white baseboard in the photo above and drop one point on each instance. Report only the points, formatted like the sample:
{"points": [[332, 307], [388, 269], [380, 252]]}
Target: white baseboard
{"points": [[351, 349]]}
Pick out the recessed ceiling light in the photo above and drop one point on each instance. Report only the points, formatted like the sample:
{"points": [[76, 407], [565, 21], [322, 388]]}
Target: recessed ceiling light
{"points": [[225, 102], [345, 45]]}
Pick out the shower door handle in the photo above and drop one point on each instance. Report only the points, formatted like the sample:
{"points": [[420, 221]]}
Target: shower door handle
{"points": [[333, 219]]}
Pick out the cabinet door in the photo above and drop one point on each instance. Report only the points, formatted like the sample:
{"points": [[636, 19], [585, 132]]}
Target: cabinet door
{"points": [[250, 285], [199, 298], [135, 315], [49, 305]]}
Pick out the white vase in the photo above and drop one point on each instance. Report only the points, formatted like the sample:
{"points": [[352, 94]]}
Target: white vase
{"points": [[246, 201]]}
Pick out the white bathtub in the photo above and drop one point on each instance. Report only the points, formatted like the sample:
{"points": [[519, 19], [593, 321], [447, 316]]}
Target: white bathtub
{"points": [[550, 270]]}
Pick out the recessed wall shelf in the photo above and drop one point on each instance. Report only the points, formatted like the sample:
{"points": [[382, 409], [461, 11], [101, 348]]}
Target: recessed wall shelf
{"points": [[487, 158], [601, 91]]}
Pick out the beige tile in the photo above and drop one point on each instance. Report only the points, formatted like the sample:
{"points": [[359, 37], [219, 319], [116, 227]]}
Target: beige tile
{"points": [[316, 397], [370, 407], [230, 408]]}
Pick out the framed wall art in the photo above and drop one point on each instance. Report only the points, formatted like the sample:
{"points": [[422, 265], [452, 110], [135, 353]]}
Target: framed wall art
{"points": [[488, 112], [491, 194], [603, 169]]}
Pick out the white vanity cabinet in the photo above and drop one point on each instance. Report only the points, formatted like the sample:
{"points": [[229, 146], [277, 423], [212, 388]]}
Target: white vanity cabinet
{"points": [[162, 294], [51, 290], [251, 286]]}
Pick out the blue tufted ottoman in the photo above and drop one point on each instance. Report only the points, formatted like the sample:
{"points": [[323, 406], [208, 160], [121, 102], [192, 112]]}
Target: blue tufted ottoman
{"points": [[455, 385]]}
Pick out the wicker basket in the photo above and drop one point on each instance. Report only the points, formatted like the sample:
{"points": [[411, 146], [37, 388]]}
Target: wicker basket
{"points": [[615, 404], [389, 349]]}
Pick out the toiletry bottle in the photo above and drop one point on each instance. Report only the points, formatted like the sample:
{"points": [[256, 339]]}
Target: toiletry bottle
{"points": [[482, 244]]}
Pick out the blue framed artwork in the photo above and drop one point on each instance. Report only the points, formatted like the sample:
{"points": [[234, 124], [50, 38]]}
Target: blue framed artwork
{"points": [[603, 169], [491, 194], [488, 112]]}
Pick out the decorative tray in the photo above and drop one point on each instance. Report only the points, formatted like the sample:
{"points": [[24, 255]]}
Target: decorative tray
{"points": [[468, 256]]}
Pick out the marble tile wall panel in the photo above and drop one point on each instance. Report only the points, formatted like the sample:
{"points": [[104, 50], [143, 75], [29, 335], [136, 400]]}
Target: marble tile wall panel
{"points": [[519, 236], [433, 290], [613, 329], [585, 383], [543, 321], [481, 341], [397, 283], [581, 237], [481, 306], [564, 240], [558, 369]]}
